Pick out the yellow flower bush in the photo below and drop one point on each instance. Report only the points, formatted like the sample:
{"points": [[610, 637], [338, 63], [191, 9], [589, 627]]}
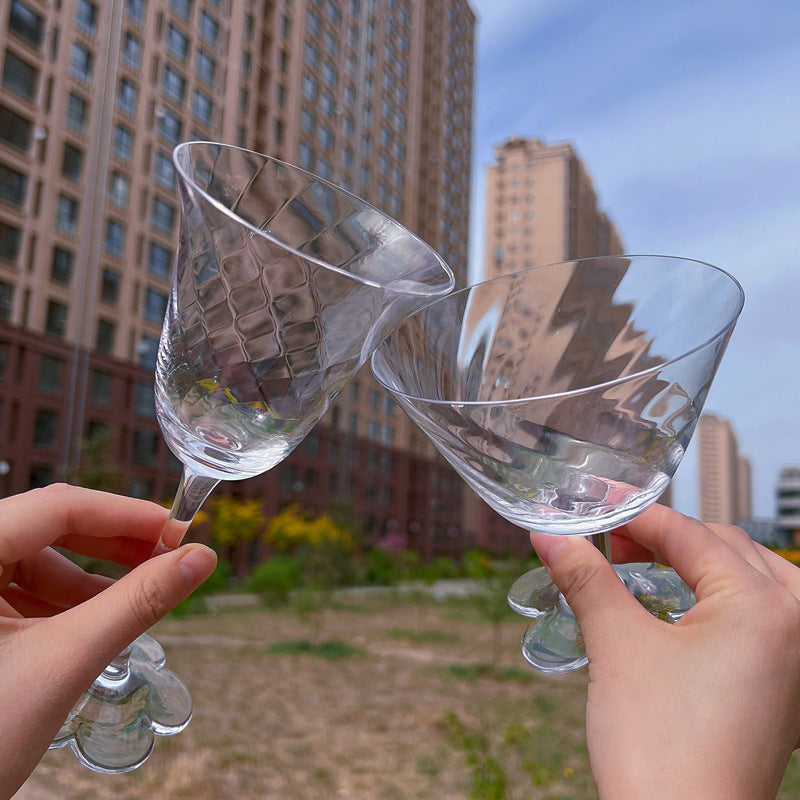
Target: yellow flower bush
{"points": [[293, 528], [235, 520]]}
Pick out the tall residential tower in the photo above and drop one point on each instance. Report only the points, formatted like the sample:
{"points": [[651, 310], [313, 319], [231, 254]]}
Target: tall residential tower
{"points": [[373, 94]]}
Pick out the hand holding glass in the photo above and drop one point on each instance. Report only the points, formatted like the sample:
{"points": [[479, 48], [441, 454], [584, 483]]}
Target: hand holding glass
{"points": [[566, 396]]}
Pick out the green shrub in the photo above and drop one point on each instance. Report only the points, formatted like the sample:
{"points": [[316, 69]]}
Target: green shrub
{"points": [[380, 568], [275, 578]]}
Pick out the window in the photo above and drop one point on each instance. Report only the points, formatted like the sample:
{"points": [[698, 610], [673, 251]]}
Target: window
{"points": [[170, 127], [123, 143], [311, 54], [86, 16], [115, 238], [20, 77], [109, 285], [327, 105], [159, 260], [76, 112], [26, 23], [72, 162], [313, 21], [118, 190], [307, 120], [106, 332], [309, 87], [373, 431], [325, 137], [183, 8], [127, 97], [81, 63], [177, 43], [163, 216], [66, 214], [164, 170], [10, 238], [14, 129], [56, 321], [145, 400], [173, 85], [155, 304], [44, 428], [244, 101], [136, 10], [6, 308], [131, 51], [61, 266], [201, 106], [12, 185], [100, 391], [50, 374], [206, 67], [209, 28], [329, 74], [147, 350], [246, 62], [145, 447], [306, 155]]}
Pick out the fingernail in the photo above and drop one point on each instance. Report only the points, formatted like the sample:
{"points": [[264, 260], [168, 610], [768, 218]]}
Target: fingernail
{"points": [[547, 546], [196, 565]]}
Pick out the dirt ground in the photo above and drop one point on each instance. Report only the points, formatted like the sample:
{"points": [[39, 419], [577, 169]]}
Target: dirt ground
{"points": [[404, 704]]}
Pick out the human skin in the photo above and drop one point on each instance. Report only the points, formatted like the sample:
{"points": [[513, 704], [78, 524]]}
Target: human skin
{"points": [[60, 626], [706, 708]]}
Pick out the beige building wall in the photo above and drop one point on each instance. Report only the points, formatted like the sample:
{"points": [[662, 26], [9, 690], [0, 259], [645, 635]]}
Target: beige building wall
{"points": [[723, 478], [541, 208]]}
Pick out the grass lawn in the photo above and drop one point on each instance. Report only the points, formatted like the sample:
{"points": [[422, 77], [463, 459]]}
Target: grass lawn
{"points": [[386, 698]]}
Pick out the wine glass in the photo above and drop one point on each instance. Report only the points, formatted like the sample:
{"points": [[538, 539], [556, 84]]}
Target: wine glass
{"points": [[566, 396], [283, 285]]}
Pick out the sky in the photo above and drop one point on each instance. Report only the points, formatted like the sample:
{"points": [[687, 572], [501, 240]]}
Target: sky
{"points": [[687, 117]]}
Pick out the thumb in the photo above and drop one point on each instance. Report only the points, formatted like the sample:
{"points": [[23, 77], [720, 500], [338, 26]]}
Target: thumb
{"points": [[597, 597], [104, 625]]}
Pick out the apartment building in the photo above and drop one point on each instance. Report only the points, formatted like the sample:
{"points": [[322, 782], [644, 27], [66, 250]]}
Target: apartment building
{"points": [[541, 207], [374, 94], [723, 476]]}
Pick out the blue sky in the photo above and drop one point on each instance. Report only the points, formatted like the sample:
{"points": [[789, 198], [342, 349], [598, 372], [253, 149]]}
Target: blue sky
{"points": [[687, 116]]}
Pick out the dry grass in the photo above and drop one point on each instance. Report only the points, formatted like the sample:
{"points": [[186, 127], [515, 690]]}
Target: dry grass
{"points": [[402, 711]]}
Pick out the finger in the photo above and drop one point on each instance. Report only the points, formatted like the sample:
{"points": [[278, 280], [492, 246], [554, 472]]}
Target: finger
{"points": [[785, 572], [101, 627], [37, 519], [27, 604], [693, 550], [741, 542], [7, 611], [626, 551], [57, 580], [597, 597], [125, 551]]}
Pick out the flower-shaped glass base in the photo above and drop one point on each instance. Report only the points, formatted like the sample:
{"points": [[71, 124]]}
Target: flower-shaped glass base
{"points": [[112, 728], [553, 641]]}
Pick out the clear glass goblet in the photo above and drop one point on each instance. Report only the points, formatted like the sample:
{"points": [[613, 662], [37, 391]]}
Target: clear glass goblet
{"points": [[283, 285], [566, 396]]}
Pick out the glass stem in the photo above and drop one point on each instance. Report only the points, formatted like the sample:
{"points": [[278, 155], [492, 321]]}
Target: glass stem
{"points": [[602, 541], [192, 493]]}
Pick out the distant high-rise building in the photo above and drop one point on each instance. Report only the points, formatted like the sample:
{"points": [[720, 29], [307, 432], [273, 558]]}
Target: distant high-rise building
{"points": [[788, 503], [723, 478], [541, 208], [374, 94]]}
